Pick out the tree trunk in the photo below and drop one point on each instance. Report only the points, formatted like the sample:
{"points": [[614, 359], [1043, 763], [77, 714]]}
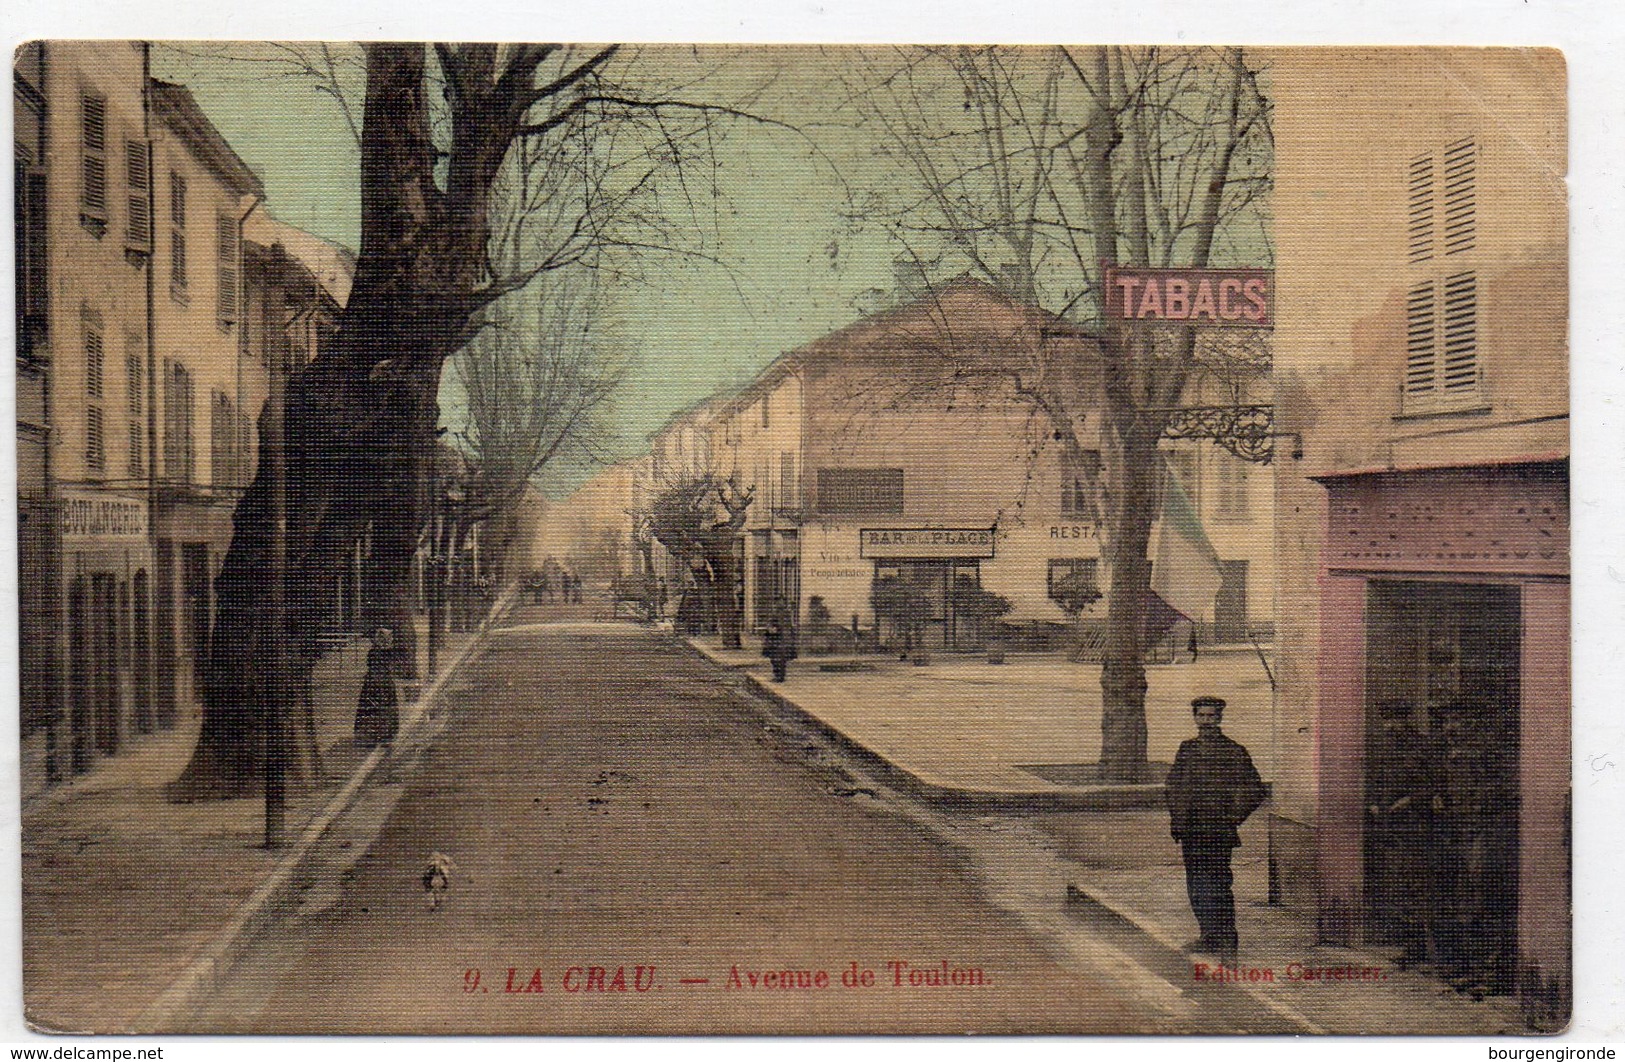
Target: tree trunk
{"points": [[1122, 672], [359, 426]]}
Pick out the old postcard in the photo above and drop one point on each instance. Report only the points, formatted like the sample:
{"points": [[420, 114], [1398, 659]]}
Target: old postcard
{"points": [[595, 539]]}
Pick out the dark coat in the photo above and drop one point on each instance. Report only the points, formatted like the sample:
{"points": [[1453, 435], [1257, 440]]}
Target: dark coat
{"points": [[779, 644], [1212, 788], [377, 715]]}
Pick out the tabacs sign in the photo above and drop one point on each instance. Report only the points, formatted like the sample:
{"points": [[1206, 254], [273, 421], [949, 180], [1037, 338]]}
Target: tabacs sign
{"points": [[925, 542], [1224, 298]]}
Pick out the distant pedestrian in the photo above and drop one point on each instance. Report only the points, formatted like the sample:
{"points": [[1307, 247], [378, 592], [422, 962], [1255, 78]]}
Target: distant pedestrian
{"points": [[1212, 788], [779, 646], [377, 713]]}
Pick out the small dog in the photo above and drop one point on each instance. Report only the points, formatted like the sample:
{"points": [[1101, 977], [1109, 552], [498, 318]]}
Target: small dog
{"points": [[437, 878]]}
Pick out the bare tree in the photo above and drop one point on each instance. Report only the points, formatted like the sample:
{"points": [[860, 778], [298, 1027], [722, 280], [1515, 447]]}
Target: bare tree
{"points": [[533, 388], [1033, 167], [699, 520], [440, 127]]}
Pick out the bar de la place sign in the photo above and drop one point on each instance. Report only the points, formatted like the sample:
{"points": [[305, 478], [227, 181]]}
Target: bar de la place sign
{"points": [[925, 542]]}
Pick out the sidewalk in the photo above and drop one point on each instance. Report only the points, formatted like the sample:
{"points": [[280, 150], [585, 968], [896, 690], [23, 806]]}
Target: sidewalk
{"points": [[1012, 732], [965, 732], [131, 902]]}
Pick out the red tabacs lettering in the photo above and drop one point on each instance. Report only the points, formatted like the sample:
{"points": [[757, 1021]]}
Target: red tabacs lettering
{"points": [[1223, 297]]}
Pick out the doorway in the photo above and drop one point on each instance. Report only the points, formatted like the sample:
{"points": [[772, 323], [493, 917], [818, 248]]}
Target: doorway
{"points": [[1230, 604], [1442, 726]]}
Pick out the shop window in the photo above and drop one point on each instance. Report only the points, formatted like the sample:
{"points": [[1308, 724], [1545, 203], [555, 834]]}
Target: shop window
{"points": [[859, 491], [1072, 582]]}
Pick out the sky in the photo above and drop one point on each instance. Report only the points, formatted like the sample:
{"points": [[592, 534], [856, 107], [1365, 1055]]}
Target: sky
{"points": [[787, 257], [789, 266]]}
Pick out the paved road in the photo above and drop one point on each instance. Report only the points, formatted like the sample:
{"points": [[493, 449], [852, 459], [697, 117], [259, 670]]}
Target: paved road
{"points": [[653, 851]]}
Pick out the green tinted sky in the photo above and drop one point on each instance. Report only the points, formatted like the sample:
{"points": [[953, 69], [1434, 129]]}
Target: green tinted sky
{"points": [[792, 264]]}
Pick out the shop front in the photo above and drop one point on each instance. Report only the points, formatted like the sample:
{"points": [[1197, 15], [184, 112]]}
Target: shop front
{"points": [[1444, 721], [926, 589], [107, 593]]}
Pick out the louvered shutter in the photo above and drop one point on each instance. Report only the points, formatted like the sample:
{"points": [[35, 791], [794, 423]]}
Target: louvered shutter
{"points": [[93, 128], [1460, 335], [1421, 339], [138, 174], [1460, 164], [1419, 225], [226, 309]]}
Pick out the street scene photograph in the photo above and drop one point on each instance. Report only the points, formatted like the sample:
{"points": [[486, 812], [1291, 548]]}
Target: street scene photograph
{"points": [[661, 540]]}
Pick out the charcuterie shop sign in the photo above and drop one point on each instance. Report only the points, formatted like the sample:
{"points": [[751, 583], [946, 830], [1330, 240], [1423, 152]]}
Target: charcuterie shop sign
{"points": [[1226, 298]]}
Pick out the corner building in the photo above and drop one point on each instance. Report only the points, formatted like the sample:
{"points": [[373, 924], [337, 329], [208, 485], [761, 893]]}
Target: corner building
{"points": [[896, 448], [1421, 349]]}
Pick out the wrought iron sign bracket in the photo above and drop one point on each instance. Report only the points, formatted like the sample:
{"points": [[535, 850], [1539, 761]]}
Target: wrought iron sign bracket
{"points": [[1246, 431]]}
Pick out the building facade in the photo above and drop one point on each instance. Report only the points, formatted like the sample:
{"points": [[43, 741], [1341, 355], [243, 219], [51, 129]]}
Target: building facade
{"points": [[204, 444], [139, 382], [895, 451], [85, 246], [1423, 539]]}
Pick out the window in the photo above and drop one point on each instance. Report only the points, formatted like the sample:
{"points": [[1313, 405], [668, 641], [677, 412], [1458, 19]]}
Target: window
{"points": [[1443, 201], [93, 161], [138, 177], [766, 404], [32, 290], [1232, 503], [95, 440], [179, 447], [1072, 582], [1460, 196], [177, 200], [135, 374], [226, 303], [1441, 344], [1441, 309], [787, 482], [1080, 484], [177, 234], [230, 442], [222, 440], [860, 490], [95, 357], [138, 448]]}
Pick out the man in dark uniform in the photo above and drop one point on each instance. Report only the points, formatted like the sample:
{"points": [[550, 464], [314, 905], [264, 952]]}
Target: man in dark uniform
{"points": [[1402, 796], [1212, 788]]}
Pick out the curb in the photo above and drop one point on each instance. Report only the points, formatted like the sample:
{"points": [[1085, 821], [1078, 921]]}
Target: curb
{"points": [[1172, 957], [204, 975], [1086, 798]]}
